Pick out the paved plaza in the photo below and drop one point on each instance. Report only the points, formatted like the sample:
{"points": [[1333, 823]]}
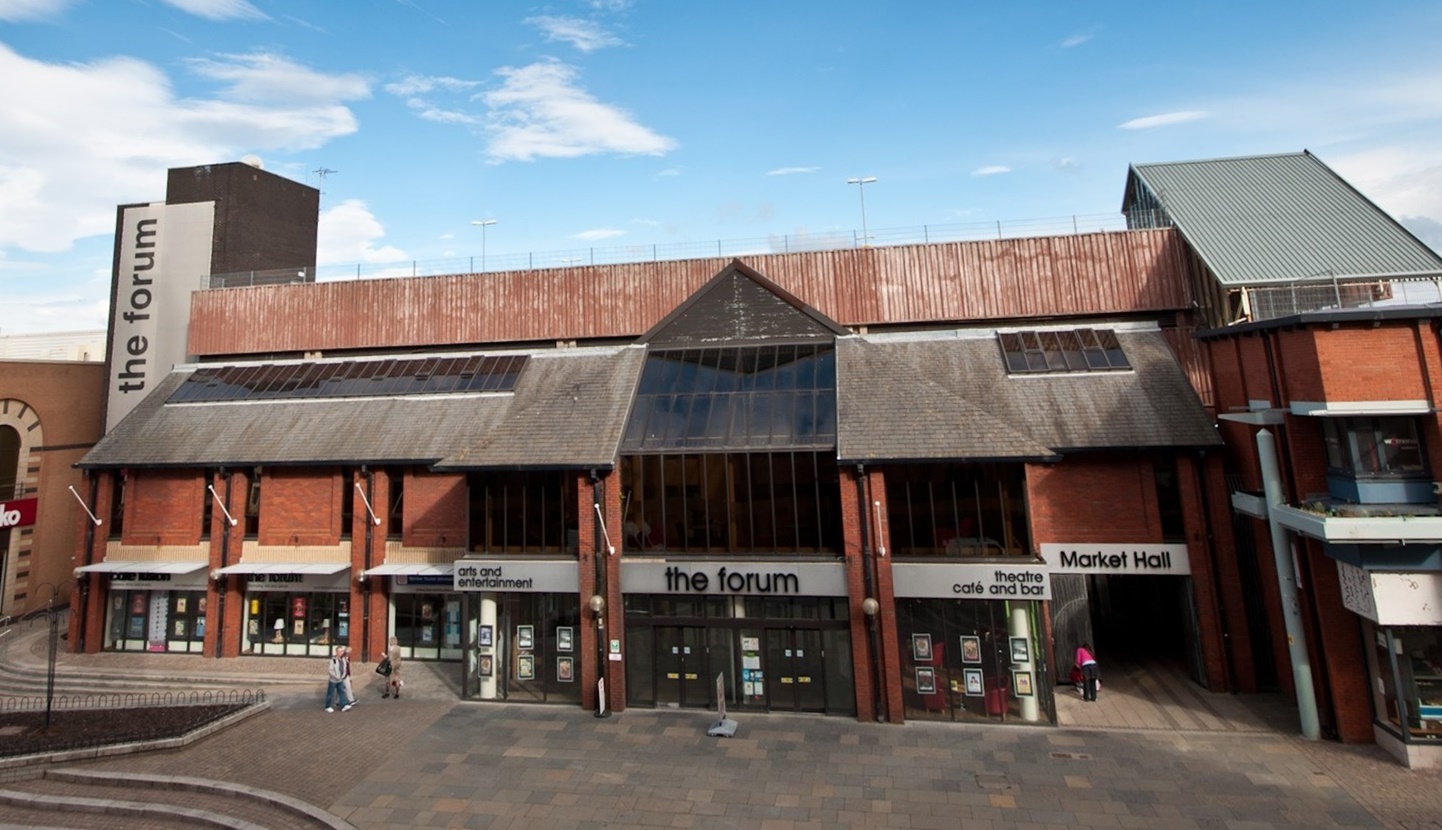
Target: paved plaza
{"points": [[429, 760]]}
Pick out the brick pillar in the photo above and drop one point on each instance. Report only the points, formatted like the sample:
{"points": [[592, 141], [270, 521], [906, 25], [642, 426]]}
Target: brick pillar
{"points": [[225, 597], [615, 612], [86, 629], [1200, 546], [588, 642], [374, 605], [886, 597]]}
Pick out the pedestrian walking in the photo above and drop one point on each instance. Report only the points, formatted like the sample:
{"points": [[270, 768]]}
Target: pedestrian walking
{"points": [[1088, 665], [393, 679], [344, 653], [335, 683]]}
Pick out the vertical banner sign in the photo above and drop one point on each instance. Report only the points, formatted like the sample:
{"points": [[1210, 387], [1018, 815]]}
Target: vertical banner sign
{"points": [[163, 253]]}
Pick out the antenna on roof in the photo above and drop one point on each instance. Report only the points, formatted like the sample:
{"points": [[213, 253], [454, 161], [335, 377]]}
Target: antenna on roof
{"points": [[321, 173]]}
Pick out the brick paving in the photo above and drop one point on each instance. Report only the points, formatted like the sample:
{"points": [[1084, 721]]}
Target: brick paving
{"points": [[429, 760]]}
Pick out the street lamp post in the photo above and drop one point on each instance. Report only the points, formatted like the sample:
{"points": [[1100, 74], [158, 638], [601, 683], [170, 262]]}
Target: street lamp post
{"points": [[483, 224], [861, 184]]}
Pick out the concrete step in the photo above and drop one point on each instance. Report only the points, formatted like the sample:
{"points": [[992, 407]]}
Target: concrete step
{"points": [[191, 801]]}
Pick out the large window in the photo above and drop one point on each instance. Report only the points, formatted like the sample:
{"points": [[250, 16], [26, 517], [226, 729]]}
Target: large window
{"points": [[784, 502], [523, 512], [957, 510], [735, 398], [1374, 447]]}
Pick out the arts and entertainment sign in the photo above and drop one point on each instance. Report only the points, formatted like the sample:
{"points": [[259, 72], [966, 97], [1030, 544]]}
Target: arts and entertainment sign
{"points": [[1119, 560], [163, 252], [506, 575]]}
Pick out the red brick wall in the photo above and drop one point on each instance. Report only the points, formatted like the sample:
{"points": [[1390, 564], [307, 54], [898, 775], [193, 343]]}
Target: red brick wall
{"points": [[883, 670], [163, 507], [300, 506], [1344, 686], [435, 509], [1256, 378], [1364, 363], [1094, 498]]}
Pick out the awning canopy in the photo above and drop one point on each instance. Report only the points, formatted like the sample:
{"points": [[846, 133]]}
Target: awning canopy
{"points": [[142, 567], [285, 568], [413, 569]]}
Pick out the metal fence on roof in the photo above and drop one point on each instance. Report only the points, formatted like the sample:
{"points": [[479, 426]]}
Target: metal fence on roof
{"points": [[1271, 302], [622, 254]]}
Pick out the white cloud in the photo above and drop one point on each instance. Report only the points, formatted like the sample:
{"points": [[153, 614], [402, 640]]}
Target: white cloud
{"points": [[440, 116], [219, 9], [1165, 119], [991, 170], [16, 11], [611, 5], [585, 35], [1066, 164], [598, 234], [78, 139], [540, 112], [348, 234], [669, 171], [1405, 181], [417, 84], [265, 77], [1077, 39], [789, 171]]}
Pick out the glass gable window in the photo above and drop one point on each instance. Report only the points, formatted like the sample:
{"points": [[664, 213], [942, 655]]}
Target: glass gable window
{"points": [[1070, 350], [735, 398], [774, 503]]}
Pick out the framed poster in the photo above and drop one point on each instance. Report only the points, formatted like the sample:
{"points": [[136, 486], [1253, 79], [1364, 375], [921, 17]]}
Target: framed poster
{"points": [[921, 648], [137, 602], [180, 629], [565, 669], [563, 639], [1020, 650], [970, 649], [484, 637], [297, 607], [525, 637], [925, 680], [180, 605], [200, 605], [136, 629], [485, 665], [427, 612], [526, 667], [1021, 683], [973, 682], [200, 628]]}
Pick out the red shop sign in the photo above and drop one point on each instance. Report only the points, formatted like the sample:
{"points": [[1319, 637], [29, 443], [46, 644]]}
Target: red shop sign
{"points": [[17, 513]]}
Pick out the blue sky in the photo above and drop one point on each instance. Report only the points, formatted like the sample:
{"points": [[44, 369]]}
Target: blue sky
{"points": [[656, 122]]}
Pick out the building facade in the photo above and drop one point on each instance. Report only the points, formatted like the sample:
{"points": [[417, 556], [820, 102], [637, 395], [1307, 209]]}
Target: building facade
{"points": [[892, 483], [49, 418]]}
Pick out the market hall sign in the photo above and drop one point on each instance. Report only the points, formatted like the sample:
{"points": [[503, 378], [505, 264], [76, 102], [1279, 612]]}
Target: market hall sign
{"points": [[970, 581], [722, 578], [1135, 560]]}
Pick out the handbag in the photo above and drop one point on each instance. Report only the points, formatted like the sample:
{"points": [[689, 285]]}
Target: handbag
{"points": [[383, 668]]}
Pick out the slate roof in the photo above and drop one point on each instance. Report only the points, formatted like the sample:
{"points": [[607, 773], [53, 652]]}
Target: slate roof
{"points": [[1279, 218], [924, 396], [568, 410]]}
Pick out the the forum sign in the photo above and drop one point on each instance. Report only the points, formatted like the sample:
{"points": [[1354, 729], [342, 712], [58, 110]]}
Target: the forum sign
{"points": [[163, 252]]}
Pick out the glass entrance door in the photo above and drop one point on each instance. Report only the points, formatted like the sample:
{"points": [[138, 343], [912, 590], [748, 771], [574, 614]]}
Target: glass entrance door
{"points": [[796, 664], [681, 667]]}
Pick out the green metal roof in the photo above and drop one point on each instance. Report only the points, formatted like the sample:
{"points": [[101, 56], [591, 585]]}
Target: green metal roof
{"points": [[1278, 218]]}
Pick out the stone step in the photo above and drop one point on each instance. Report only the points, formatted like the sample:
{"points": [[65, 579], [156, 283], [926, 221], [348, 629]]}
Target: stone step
{"points": [[166, 798]]}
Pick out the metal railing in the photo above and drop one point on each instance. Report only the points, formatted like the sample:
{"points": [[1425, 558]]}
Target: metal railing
{"points": [[1271, 302], [723, 248], [99, 722]]}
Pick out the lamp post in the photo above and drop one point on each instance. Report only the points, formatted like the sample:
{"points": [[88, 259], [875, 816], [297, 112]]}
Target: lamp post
{"points": [[861, 184], [483, 224]]}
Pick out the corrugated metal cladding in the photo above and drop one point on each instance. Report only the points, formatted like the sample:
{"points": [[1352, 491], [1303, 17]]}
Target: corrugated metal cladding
{"points": [[999, 279], [1269, 219]]}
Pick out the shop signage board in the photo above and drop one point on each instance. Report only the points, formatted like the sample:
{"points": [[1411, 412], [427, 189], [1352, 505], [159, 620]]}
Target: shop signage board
{"points": [[1120, 560], [732, 578], [504, 575], [970, 581], [297, 582], [17, 513]]}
